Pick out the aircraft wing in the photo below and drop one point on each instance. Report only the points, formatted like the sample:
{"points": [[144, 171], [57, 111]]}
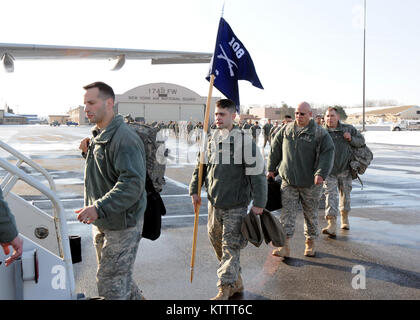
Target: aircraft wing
{"points": [[10, 52]]}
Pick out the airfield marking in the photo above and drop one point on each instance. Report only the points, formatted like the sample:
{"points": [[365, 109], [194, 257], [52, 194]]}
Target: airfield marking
{"points": [[177, 183], [203, 195], [163, 217]]}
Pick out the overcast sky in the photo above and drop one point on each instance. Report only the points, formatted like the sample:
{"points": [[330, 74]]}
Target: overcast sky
{"points": [[302, 49]]}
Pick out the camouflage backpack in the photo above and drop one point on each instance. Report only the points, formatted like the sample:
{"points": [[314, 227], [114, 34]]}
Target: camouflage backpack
{"points": [[155, 152], [360, 160]]}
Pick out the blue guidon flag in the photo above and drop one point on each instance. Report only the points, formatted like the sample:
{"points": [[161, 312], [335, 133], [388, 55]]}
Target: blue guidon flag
{"points": [[231, 62]]}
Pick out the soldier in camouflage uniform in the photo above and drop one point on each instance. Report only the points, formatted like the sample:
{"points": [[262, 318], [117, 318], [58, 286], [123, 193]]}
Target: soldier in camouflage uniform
{"points": [[114, 276], [115, 196], [233, 175], [255, 131], [303, 153], [190, 128], [267, 128], [338, 184], [247, 125]]}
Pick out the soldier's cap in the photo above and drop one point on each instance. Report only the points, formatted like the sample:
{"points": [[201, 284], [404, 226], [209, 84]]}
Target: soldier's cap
{"points": [[272, 229], [251, 229]]}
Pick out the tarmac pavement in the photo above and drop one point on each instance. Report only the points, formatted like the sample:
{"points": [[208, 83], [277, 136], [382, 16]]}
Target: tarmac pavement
{"points": [[378, 258], [162, 268]]}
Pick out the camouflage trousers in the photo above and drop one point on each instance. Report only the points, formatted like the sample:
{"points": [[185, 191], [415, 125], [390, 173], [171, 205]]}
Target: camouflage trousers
{"points": [[116, 252], [266, 139], [309, 199], [224, 230], [337, 193]]}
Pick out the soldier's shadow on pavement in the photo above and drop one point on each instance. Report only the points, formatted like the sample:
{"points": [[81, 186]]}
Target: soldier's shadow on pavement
{"points": [[401, 277], [345, 237]]}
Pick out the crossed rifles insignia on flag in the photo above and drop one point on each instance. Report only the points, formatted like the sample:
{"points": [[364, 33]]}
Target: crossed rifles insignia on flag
{"points": [[230, 62]]}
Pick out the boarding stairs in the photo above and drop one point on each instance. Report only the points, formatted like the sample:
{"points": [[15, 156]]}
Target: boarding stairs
{"points": [[45, 270]]}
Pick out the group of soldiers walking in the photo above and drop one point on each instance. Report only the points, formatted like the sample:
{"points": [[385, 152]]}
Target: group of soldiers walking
{"points": [[269, 129], [308, 158], [311, 159], [310, 155]]}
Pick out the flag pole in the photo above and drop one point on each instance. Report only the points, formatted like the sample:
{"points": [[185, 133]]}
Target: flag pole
{"points": [[364, 68], [200, 174]]}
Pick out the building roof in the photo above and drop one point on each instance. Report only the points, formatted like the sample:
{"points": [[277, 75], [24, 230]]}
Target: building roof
{"points": [[12, 115], [393, 110], [379, 110]]}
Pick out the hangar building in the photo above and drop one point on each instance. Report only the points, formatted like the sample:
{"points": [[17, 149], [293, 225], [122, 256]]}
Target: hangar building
{"points": [[163, 102]]}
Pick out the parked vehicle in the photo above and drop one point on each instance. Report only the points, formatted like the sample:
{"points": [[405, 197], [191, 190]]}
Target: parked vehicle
{"points": [[55, 123], [406, 125], [71, 123]]}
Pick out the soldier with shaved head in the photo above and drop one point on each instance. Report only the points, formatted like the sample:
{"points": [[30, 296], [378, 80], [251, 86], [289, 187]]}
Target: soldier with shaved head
{"points": [[303, 154]]}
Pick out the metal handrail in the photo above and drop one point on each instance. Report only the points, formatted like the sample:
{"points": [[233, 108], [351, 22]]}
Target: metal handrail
{"points": [[9, 177], [59, 218], [28, 161]]}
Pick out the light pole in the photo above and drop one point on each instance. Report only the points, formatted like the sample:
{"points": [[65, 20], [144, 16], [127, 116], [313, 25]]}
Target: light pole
{"points": [[364, 61]]}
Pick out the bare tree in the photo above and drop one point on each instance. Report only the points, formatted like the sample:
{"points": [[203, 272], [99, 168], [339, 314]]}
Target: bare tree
{"points": [[370, 103]]}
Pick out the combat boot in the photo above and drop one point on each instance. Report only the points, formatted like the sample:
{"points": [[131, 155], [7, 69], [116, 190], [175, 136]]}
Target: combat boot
{"points": [[282, 251], [239, 286], [345, 220], [309, 248], [225, 292], [331, 229]]}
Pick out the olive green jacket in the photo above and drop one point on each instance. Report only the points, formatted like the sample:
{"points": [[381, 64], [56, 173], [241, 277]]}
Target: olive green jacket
{"points": [[246, 126], [267, 128], [234, 172], [295, 155], [115, 176], [8, 230], [343, 150]]}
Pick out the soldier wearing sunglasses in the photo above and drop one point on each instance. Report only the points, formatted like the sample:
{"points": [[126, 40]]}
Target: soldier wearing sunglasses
{"points": [[303, 154]]}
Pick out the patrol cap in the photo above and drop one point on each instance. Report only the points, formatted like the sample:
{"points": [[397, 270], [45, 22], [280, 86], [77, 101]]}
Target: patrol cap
{"points": [[251, 229]]}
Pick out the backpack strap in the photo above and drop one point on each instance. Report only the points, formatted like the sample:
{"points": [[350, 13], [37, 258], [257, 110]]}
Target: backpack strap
{"points": [[360, 180], [149, 184], [318, 135], [243, 158]]}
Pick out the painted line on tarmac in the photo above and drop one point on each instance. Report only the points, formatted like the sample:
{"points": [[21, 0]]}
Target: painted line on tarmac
{"points": [[163, 218], [74, 222], [183, 216], [184, 186], [62, 200], [203, 195], [177, 183], [181, 185]]}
